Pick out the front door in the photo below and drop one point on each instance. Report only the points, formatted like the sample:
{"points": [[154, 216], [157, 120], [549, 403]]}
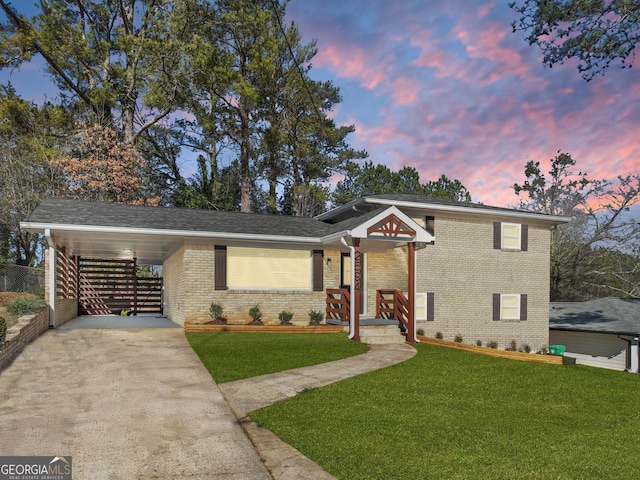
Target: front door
{"points": [[345, 278]]}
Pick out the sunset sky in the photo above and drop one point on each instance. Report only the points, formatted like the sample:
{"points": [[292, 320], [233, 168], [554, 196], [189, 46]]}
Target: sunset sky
{"points": [[447, 88]]}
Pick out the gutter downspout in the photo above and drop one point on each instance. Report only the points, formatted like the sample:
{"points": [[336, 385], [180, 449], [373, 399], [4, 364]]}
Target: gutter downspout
{"points": [[352, 282], [52, 277]]}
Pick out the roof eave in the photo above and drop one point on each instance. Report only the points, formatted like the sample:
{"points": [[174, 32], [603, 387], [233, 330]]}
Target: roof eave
{"points": [[554, 219], [40, 228]]}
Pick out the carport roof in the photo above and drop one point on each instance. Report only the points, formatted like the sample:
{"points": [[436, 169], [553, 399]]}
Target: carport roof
{"points": [[64, 211], [603, 315]]}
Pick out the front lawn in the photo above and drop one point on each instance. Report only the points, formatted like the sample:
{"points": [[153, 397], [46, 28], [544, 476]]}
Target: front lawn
{"points": [[453, 414], [233, 356]]}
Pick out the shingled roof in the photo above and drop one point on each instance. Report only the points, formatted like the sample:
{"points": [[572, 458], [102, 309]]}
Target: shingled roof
{"points": [[63, 211], [603, 315]]}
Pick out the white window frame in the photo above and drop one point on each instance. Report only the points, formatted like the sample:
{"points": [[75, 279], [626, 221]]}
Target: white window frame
{"points": [[518, 300], [421, 302], [503, 236]]}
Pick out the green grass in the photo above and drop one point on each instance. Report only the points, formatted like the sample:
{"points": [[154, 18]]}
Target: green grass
{"points": [[233, 356], [458, 415]]}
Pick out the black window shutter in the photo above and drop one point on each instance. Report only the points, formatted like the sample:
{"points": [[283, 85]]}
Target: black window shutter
{"points": [[497, 235], [523, 306], [496, 306], [220, 267], [524, 237], [430, 307], [430, 227], [318, 270]]}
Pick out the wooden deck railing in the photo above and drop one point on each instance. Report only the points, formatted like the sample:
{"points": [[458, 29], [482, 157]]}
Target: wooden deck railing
{"points": [[338, 304], [393, 305]]}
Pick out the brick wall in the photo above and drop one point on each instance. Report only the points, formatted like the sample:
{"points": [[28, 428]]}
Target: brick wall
{"points": [[28, 328], [388, 270], [463, 271], [66, 309], [189, 290], [173, 281]]}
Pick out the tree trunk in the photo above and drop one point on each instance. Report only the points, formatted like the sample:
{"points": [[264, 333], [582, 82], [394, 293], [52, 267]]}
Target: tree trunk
{"points": [[245, 137]]}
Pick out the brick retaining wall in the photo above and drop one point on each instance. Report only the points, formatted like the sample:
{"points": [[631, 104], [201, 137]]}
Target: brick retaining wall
{"points": [[28, 328]]}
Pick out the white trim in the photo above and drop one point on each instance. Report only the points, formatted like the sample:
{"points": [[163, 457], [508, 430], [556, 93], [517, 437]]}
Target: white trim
{"points": [[171, 233], [421, 235], [423, 303], [53, 261], [502, 295], [435, 207], [502, 243]]}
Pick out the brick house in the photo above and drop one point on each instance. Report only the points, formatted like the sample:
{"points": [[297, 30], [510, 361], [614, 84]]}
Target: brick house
{"points": [[441, 266]]}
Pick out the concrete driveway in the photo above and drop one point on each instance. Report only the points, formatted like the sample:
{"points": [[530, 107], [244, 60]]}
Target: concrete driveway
{"points": [[124, 404]]}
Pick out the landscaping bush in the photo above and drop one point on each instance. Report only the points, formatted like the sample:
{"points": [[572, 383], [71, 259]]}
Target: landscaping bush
{"points": [[315, 317], [215, 311], [25, 306], [479, 343], [492, 344], [256, 315], [285, 317], [439, 335], [420, 331], [457, 338]]}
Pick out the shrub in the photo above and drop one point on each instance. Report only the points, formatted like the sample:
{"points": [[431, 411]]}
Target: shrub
{"points": [[255, 314], [25, 306], [526, 348], [125, 312], [457, 338], [3, 330], [285, 317], [512, 346], [439, 335], [215, 312], [543, 350], [420, 331], [492, 344], [479, 343], [315, 317]]}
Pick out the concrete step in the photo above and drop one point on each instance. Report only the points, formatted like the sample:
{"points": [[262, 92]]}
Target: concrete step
{"points": [[381, 335]]}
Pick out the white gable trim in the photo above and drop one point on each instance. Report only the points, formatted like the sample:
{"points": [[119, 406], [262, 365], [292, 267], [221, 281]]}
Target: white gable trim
{"points": [[420, 236]]}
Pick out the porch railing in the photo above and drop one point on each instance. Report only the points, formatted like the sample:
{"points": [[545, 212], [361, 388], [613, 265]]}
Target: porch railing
{"points": [[338, 304], [392, 305]]}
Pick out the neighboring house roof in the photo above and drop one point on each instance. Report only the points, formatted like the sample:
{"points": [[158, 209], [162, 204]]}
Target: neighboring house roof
{"points": [[604, 315], [433, 204]]}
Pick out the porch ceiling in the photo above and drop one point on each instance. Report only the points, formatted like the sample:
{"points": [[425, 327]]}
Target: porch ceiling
{"points": [[147, 249]]}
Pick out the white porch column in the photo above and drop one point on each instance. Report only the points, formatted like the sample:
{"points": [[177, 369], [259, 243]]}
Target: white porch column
{"points": [[52, 277]]}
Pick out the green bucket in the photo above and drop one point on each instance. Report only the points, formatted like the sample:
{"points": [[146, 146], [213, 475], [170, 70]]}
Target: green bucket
{"points": [[557, 349]]}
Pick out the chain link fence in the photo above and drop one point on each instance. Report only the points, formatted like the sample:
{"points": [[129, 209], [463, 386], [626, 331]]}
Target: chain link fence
{"points": [[17, 278]]}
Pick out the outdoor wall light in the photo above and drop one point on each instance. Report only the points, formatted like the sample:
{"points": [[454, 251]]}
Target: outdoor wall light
{"points": [[329, 264]]}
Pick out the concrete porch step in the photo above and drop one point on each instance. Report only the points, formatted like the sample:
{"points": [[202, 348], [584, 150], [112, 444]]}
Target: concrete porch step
{"points": [[381, 335]]}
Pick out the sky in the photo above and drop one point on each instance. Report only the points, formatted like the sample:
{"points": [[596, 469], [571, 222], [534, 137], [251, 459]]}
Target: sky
{"points": [[447, 88]]}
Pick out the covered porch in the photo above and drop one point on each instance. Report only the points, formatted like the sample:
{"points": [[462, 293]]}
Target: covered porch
{"points": [[352, 305]]}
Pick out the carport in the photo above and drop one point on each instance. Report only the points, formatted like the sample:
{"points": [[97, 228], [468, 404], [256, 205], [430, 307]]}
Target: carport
{"points": [[95, 267]]}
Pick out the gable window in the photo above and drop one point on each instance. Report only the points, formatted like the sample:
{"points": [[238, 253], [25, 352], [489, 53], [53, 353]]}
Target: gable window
{"points": [[509, 306], [510, 236], [268, 268]]}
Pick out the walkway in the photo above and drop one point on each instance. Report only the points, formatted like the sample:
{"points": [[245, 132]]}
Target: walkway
{"points": [[283, 461]]}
